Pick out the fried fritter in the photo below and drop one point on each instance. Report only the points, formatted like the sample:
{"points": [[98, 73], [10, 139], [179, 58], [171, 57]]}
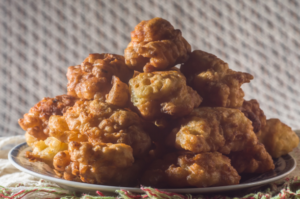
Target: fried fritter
{"points": [[162, 93], [101, 122], [103, 154], [252, 111], [61, 160], [190, 170], [101, 163], [119, 94], [214, 81], [254, 159], [209, 129], [30, 140], [60, 130], [278, 138], [35, 123], [156, 45], [45, 150], [92, 79], [71, 172]]}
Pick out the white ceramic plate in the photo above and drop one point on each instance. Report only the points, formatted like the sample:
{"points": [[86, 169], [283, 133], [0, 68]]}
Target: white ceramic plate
{"points": [[283, 166]]}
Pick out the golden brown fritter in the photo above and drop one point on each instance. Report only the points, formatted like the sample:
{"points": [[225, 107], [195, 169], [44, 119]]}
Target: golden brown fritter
{"points": [[92, 79], [253, 159], [162, 93], [60, 130], [109, 164], [101, 163], [252, 111], [30, 140], [103, 154], [119, 94], [35, 123], [214, 81], [191, 170], [71, 172], [45, 150], [61, 160], [278, 138], [156, 45], [101, 122], [209, 129]]}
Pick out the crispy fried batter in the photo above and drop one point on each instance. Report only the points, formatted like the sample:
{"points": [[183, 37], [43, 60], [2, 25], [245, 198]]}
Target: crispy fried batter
{"points": [[214, 81], [92, 79], [278, 138], [60, 130], [30, 140], [61, 160], [45, 150], [101, 163], [213, 129], [35, 123], [252, 111], [119, 94], [116, 176], [102, 122], [189, 170], [101, 154], [156, 45], [162, 93], [254, 159], [109, 164], [71, 172]]}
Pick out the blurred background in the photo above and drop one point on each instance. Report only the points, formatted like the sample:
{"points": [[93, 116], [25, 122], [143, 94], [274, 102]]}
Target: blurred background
{"points": [[39, 40]]}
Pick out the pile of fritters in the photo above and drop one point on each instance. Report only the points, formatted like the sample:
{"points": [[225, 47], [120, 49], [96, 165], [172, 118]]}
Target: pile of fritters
{"points": [[137, 119]]}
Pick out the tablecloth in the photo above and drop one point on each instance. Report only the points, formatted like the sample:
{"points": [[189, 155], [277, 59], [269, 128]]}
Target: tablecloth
{"points": [[16, 184]]}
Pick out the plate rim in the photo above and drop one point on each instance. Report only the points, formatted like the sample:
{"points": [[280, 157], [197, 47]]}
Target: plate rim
{"points": [[95, 187]]}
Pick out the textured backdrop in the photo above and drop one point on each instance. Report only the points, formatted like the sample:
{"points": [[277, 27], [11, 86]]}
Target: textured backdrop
{"points": [[40, 39]]}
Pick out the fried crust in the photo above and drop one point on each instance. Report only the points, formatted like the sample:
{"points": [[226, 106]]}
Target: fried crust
{"points": [[278, 138], [60, 130], [162, 93], [100, 163], [102, 122], [254, 159], [119, 94], [45, 150], [156, 45], [253, 112], [109, 164], [35, 123], [209, 129], [61, 160], [93, 78], [214, 81], [191, 170]]}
